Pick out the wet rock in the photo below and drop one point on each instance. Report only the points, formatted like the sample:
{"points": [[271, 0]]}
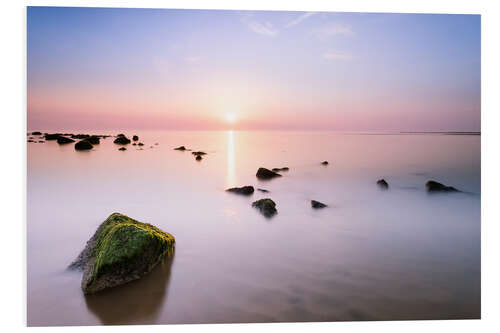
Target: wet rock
{"points": [[121, 250], [122, 140], [64, 140], [94, 139], [245, 190], [122, 149], [266, 206], [36, 133], [264, 173], [316, 204], [198, 158], [382, 184], [180, 148], [433, 186], [280, 169], [324, 163], [52, 136], [83, 145], [198, 153], [140, 144], [262, 190], [135, 138]]}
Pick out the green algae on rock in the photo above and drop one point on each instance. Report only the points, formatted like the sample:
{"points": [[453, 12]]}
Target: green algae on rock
{"points": [[121, 250], [266, 206]]}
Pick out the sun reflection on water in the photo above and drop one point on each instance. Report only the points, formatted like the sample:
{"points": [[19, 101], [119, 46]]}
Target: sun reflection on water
{"points": [[231, 177]]}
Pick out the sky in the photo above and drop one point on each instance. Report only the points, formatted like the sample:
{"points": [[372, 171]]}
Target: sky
{"points": [[103, 68]]}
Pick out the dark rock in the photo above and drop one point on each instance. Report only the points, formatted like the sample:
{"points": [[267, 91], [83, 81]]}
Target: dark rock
{"points": [[64, 140], [135, 138], [120, 135], [324, 162], [36, 133], [245, 190], [122, 148], [198, 157], [156, 143], [280, 169], [266, 206], [121, 250], [180, 148], [83, 145], [53, 136], [94, 139], [198, 153], [134, 144], [122, 140], [317, 204], [264, 173], [140, 144], [41, 141], [30, 140], [433, 186], [80, 136], [262, 190], [382, 184]]}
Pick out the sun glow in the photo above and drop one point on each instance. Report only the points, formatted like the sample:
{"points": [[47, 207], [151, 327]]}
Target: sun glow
{"points": [[230, 118]]}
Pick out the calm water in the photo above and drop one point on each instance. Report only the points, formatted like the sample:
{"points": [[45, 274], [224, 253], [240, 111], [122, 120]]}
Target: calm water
{"points": [[371, 255]]}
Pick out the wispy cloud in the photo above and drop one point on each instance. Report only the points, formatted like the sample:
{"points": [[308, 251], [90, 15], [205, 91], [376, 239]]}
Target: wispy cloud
{"points": [[334, 29], [335, 55], [193, 59], [265, 28], [299, 19]]}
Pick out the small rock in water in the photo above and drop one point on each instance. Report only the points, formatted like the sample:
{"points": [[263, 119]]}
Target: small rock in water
{"points": [[198, 153], [140, 144], [280, 169], [63, 140], [53, 136], [41, 141], [83, 145], [135, 138], [198, 157], [122, 140], [121, 250], [245, 190], [317, 204], [264, 173], [266, 206], [156, 143], [262, 190], [180, 148], [433, 186], [324, 162], [36, 133], [382, 184], [30, 140], [122, 149]]}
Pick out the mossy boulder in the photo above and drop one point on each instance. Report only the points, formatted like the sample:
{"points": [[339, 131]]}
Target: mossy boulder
{"points": [[266, 206], [83, 145], [433, 186], [245, 190], [121, 250], [264, 173]]}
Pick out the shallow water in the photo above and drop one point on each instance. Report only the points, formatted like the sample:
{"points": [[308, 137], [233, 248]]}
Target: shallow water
{"points": [[370, 255]]}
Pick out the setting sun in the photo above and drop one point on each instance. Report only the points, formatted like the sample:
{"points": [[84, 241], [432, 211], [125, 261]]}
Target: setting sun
{"points": [[230, 118]]}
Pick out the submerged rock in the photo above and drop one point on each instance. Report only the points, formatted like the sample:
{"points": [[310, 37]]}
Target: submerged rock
{"points": [[63, 140], [264, 173], [121, 250], [433, 186], [122, 140], [198, 153], [324, 162], [245, 190], [266, 206], [30, 140], [93, 139], [382, 184], [280, 169], [135, 138], [180, 148], [140, 144], [122, 148], [83, 145], [80, 136], [134, 144], [262, 190], [317, 204], [198, 158]]}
